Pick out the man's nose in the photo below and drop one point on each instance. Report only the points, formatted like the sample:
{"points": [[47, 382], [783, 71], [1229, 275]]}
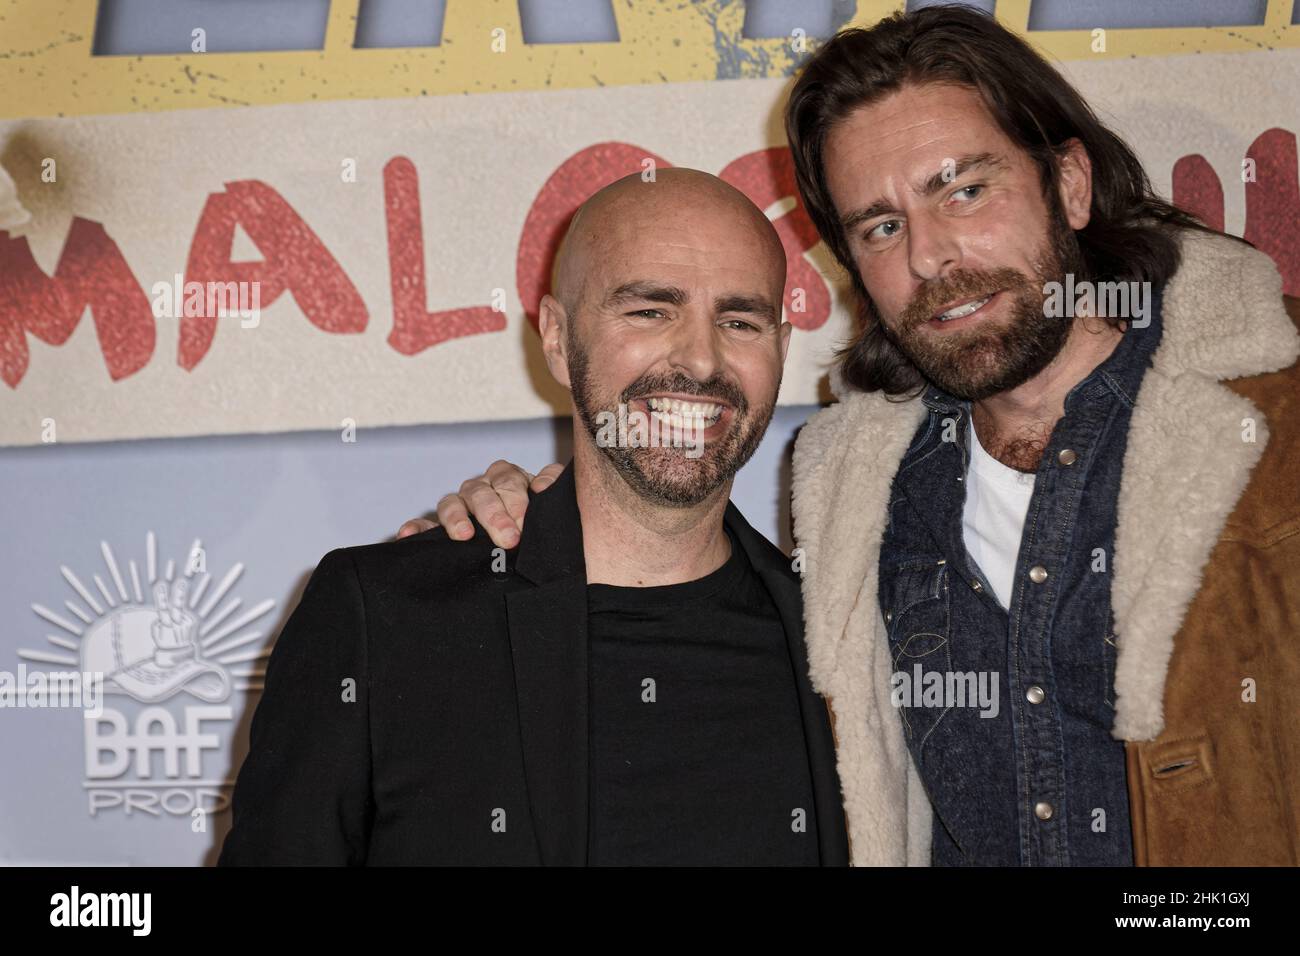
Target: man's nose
{"points": [[695, 348], [932, 249]]}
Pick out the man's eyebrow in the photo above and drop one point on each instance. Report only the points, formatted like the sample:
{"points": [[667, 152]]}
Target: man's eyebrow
{"points": [[647, 291], [931, 186], [964, 165], [755, 305]]}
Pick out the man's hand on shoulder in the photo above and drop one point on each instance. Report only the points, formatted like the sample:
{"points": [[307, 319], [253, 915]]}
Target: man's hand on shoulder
{"points": [[498, 498]]}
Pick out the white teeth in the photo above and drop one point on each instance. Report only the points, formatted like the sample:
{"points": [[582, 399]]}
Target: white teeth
{"points": [[678, 407], [682, 424], [675, 412], [967, 309]]}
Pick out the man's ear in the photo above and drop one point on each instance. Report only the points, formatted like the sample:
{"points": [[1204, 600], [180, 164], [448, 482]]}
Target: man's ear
{"points": [[1074, 183], [786, 329], [551, 320]]}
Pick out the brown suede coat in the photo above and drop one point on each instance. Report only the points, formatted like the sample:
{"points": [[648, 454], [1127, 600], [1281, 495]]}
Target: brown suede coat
{"points": [[1221, 784]]}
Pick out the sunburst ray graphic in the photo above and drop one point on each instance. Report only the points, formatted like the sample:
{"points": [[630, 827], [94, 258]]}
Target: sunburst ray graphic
{"points": [[158, 636]]}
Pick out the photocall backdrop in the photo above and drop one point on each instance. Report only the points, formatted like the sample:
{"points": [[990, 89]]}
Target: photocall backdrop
{"points": [[396, 202]]}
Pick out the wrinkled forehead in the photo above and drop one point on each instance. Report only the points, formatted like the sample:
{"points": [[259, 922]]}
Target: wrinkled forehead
{"points": [[912, 132], [707, 245]]}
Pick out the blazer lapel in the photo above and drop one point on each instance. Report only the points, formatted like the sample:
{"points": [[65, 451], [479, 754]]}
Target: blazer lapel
{"points": [[548, 645], [832, 835], [548, 642]]}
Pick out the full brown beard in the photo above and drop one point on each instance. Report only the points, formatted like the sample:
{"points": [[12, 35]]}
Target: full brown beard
{"points": [[665, 475], [992, 357]]}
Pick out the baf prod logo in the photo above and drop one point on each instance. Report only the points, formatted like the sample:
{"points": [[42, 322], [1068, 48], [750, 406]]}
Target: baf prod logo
{"points": [[172, 647]]}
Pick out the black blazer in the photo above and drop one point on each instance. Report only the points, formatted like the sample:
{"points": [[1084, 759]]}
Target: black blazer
{"points": [[464, 740]]}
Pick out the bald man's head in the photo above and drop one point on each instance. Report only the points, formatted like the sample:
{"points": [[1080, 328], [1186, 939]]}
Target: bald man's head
{"points": [[631, 206], [667, 306]]}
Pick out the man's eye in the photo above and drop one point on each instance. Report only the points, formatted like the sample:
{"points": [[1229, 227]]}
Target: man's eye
{"points": [[970, 192], [885, 230], [742, 325], [648, 313]]}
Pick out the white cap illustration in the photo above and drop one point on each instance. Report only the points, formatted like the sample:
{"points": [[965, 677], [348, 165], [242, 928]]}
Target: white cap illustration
{"points": [[150, 653]]}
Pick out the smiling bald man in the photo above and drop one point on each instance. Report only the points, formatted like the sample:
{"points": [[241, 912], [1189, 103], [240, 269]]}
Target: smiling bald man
{"points": [[627, 684]]}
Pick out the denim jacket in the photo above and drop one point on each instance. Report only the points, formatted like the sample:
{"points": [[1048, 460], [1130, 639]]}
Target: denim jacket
{"points": [[1037, 779]]}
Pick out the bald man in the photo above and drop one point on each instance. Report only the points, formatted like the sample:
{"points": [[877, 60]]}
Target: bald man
{"points": [[627, 684]]}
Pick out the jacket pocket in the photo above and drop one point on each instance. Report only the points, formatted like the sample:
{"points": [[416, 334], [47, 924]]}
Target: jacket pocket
{"points": [[914, 595], [1172, 766]]}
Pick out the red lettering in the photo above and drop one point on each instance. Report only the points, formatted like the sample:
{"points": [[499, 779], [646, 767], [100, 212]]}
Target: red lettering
{"points": [[1272, 199], [415, 329], [1197, 190], [568, 187], [766, 176], [1273, 204], [295, 259], [91, 272]]}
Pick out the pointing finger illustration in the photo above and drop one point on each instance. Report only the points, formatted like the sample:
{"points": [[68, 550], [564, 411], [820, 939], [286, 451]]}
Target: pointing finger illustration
{"points": [[178, 599]]}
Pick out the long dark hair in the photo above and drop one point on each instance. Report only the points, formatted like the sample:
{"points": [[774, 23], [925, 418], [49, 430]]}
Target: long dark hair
{"points": [[1132, 235]]}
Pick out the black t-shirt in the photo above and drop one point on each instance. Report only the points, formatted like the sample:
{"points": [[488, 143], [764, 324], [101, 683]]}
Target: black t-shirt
{"points": [[697, 748]]}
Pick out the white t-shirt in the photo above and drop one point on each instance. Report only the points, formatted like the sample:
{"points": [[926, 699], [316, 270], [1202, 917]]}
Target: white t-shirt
{"points": [[993, 518]]}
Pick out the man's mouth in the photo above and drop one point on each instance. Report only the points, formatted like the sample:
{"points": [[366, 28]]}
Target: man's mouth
{"points": [[681, 414], [962, 310]]}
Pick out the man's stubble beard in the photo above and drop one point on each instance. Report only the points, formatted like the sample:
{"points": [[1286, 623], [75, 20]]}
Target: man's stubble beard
{"points": [[981, 362], [665, 476]]}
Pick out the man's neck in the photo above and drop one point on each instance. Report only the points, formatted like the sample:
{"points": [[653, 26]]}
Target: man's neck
{"points": [[1015, 426], [630, 542]]}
